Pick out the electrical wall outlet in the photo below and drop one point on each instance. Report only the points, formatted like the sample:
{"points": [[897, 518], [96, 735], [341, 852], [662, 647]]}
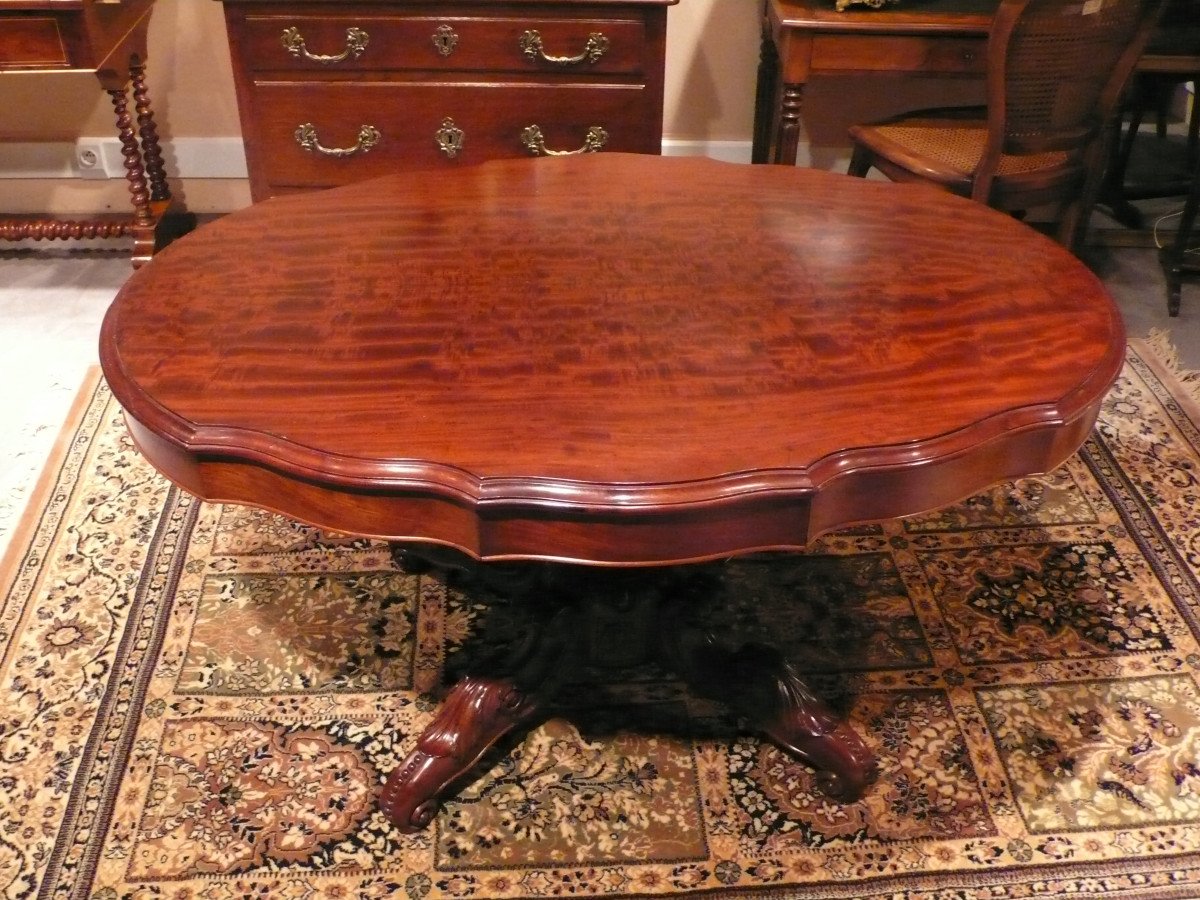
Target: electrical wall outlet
{"points": [[98, 158], [89, 159]]}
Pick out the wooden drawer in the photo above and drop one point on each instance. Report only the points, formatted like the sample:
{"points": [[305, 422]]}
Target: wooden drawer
{"points": [[467, 44], [874, 53], [408, 118], [31, 42]]}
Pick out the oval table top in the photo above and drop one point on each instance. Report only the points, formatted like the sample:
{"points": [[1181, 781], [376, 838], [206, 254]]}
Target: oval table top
{"points": [[609, 358]]}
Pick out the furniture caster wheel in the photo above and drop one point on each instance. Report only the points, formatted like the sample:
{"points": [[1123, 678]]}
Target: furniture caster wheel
{"points": [[424, 814], [845, 788]]}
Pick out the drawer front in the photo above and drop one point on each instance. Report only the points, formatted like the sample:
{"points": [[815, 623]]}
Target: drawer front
{"points": [[378, 43], [31, 42], [409, 120], [934, 55]]}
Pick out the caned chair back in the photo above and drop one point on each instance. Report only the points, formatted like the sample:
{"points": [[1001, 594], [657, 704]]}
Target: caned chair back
{"points": [[1057, 69]]}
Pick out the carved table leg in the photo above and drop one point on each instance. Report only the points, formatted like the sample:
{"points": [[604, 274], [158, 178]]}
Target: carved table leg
{"points": [[759, 684], [764, 99], [614, 618], [476, 714], [482, 708]]}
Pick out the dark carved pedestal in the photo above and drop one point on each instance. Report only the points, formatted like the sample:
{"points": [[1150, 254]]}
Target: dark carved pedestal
{"points": [[569, 619]]}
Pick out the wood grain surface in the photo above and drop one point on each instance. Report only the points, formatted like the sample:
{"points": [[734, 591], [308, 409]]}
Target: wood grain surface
{"points": [[610, 358]]}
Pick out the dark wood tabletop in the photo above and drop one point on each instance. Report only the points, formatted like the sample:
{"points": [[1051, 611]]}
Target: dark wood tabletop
{"points": [[610, 359]]}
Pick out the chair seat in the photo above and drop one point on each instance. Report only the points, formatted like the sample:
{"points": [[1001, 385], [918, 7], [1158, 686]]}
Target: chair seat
{"points": [[949, 148]]}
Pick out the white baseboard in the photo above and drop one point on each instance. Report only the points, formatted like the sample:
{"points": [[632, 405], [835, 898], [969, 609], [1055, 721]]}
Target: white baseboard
{"points": [[214, 157], [220, 157], [728, 151]]}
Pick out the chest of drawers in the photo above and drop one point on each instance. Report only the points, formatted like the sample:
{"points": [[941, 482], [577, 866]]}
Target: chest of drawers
{"points": [[332, 92]]}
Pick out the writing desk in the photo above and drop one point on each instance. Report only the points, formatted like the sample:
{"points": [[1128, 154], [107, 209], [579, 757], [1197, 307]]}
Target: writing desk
{"points": [[108, 38], [803, 39]]}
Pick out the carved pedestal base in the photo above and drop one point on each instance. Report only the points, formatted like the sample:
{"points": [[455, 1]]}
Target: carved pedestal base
{"points": [[576, 618]]}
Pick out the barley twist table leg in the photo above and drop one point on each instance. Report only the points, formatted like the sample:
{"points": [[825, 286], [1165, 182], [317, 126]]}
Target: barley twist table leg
{"points": [[148, 132], [135, 174]]}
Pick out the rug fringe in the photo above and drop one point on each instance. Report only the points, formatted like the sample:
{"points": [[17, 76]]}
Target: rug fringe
{"points": [[1158, 342]]}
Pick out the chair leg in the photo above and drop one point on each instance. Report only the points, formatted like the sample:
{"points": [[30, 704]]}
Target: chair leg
{"points": [[1174, 253], [1112, 194], [1193, 137], [1077, 215], [860, 161]]}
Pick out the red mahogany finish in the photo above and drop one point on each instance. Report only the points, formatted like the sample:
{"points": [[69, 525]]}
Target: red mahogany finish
{"points": [[616, 360]]}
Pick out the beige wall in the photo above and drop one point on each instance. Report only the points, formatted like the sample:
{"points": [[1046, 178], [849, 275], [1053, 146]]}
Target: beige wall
{"points": [[712, 63], [188, 75]]}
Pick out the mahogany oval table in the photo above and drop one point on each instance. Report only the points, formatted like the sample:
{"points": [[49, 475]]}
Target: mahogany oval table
{"points": [[556, 372]]}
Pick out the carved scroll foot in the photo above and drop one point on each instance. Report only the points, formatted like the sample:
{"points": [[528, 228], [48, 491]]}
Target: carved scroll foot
{"points": [[802, 725], [756, 682], [563, 619], [476, 714]]}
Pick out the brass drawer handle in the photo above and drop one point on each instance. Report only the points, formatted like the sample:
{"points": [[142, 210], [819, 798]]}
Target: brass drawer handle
{"points": [[449, 138], [594, 48], [445, 40], [356, 45], [306, 137], [533, 141]]}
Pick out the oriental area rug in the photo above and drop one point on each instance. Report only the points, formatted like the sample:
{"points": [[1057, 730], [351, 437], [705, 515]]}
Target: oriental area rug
{"points": [[201, 701]]}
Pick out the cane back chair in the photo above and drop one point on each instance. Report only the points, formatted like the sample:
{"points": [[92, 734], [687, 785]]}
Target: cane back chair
{"points": [[1056, 70]]}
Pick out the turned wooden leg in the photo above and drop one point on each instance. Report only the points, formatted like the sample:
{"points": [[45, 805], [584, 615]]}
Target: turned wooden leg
{"points": [[148, 132], [788, 141], [134, 173], [476, 714], [764, 99], [143, 226]]}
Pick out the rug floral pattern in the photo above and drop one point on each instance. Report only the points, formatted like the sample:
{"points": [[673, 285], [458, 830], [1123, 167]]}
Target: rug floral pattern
{"points": [[201, 701]]}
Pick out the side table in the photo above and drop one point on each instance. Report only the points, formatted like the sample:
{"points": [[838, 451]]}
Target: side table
{"points": [[806, 39], [109, 39]]}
